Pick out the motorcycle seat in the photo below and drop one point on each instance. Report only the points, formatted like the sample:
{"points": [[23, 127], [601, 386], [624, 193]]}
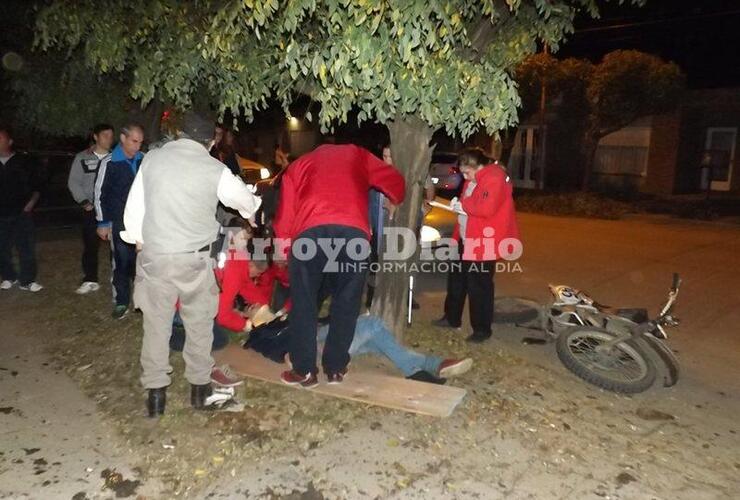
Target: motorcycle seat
{"points": [[635, 315]]}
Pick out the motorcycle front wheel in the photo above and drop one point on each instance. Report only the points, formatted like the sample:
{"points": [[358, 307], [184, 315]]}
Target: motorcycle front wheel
{"points": [[625, 367]]}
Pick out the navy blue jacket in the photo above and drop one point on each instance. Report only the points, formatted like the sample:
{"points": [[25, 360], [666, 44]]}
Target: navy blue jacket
{"points": [[115, 176]]}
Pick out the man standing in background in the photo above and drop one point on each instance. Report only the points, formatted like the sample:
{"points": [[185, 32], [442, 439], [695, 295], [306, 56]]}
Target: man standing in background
{"points": [[20, 184], [115, 176], [81, 185]]}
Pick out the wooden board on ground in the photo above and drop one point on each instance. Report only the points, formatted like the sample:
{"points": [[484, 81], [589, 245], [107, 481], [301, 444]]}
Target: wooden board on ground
{"points": [[364, 386]]}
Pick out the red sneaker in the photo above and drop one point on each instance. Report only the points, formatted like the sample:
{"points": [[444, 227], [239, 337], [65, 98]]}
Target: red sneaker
{"points": [[294, 378], [453, 367], [225, 377]]}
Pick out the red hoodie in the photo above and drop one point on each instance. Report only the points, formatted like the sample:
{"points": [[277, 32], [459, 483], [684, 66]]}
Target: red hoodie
{"points": [[330, 186], [489, 207], [235, 280]]}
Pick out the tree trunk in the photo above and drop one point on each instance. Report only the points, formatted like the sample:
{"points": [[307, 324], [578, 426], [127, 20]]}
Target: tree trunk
{"points": [[153, 120], [412, 153]]}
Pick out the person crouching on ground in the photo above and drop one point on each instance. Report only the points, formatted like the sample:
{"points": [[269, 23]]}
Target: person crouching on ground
{"points": [[245, 282], [487, 202]]}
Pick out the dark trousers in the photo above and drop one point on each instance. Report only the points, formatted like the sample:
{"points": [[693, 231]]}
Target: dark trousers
{"points": [[344, 286], [18, 232], [124, 267], [90, 245], [474, 280]]}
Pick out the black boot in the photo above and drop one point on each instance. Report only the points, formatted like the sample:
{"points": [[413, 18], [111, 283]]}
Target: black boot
{"points": [[199, 394], [157, 400]]}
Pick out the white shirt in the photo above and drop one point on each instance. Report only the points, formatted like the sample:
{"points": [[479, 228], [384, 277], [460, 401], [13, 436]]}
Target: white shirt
{"points": [[231, 191]]}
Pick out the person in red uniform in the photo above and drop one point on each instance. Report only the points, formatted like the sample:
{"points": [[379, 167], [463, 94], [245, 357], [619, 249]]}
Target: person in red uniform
{"points": [[324, 195], [489, 219]]}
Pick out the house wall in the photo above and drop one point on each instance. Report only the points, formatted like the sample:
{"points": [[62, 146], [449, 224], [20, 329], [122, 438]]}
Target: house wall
{"points": [[620, 162], [664, 144], [705, 109]]}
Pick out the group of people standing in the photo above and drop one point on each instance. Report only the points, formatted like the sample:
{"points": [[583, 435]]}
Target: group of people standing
{"points": [[159, 213]]}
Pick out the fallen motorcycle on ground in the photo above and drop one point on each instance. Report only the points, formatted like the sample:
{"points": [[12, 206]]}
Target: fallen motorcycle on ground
{"points": [[620, 350]]}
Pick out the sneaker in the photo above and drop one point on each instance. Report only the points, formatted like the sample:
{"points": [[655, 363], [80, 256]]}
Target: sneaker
{"points": [[220, 399], [454, 367], [334, 378], [424, 376], [119, 312], [292, 377], [477, 338], [87, 287], [224, 376], [31, 287], [444, 323], [7, 284]]}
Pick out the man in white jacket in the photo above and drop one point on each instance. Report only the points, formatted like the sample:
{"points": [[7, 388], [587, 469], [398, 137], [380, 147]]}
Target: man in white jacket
{"points": [[170, 216]]}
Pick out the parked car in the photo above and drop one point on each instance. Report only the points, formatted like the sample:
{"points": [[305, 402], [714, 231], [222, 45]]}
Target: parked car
{"points": [[253, 172], [446, 174]]}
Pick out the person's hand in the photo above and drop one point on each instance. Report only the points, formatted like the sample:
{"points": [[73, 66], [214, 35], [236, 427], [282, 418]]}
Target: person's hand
{"points": [[88, 207], [104, 233], [456, 204], [138, 246], [391, 211], [28, 208], [248, 326]]}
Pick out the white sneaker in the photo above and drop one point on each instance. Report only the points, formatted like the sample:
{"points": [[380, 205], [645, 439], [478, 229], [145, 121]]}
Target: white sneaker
{"points": [[7, 284], [87, 287], [31, 287]]}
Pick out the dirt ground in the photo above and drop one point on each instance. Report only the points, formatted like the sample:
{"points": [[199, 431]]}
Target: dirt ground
{"points": [[527, 429]]}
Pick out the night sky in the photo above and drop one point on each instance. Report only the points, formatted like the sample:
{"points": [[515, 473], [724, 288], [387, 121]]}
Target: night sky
{"points": [[701, 36]]}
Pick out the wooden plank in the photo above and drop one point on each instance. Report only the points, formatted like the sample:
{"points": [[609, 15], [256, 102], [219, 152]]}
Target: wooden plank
{"points": [[360, 385]]}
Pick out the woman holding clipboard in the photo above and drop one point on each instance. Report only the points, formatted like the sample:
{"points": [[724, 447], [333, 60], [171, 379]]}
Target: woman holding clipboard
{"points": [[486, 217]]}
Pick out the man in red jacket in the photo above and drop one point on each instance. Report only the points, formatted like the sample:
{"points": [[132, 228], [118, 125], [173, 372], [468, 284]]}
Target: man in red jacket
{"points": [[324, 198], [488, 220]]}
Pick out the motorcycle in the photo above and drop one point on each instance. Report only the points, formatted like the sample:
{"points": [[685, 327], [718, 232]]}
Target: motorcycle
{"points": [[620, 350]]}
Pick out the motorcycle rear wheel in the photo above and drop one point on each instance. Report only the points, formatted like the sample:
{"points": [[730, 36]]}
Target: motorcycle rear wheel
{"points": [[626, 368]]}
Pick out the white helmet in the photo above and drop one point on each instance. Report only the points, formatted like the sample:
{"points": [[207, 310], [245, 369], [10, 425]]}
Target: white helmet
{"points": [[566, 295]]}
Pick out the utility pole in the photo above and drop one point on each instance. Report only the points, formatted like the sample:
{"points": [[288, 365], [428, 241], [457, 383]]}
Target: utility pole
{"points": [[542, 131]]}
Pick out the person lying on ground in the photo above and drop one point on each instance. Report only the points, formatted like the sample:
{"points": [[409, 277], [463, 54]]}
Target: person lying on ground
{"points": [[371, 337]]}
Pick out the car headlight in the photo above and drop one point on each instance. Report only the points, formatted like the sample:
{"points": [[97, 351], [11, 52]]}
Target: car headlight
{"points": [[264, 173], [429, 234]]}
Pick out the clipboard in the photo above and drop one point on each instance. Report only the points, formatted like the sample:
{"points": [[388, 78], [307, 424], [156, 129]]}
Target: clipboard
{"points": [[437, 204]]}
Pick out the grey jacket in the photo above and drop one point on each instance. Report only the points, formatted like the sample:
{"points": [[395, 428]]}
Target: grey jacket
{"points": [[81, 182]]}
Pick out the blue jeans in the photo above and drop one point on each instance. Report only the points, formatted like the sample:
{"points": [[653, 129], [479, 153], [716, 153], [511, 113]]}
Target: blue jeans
{"points": [[372, 337], [123, 266]]}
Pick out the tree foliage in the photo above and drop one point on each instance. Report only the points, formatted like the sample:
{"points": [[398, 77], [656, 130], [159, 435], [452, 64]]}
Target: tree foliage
{"points": [[447, 62], [59, 97]]}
